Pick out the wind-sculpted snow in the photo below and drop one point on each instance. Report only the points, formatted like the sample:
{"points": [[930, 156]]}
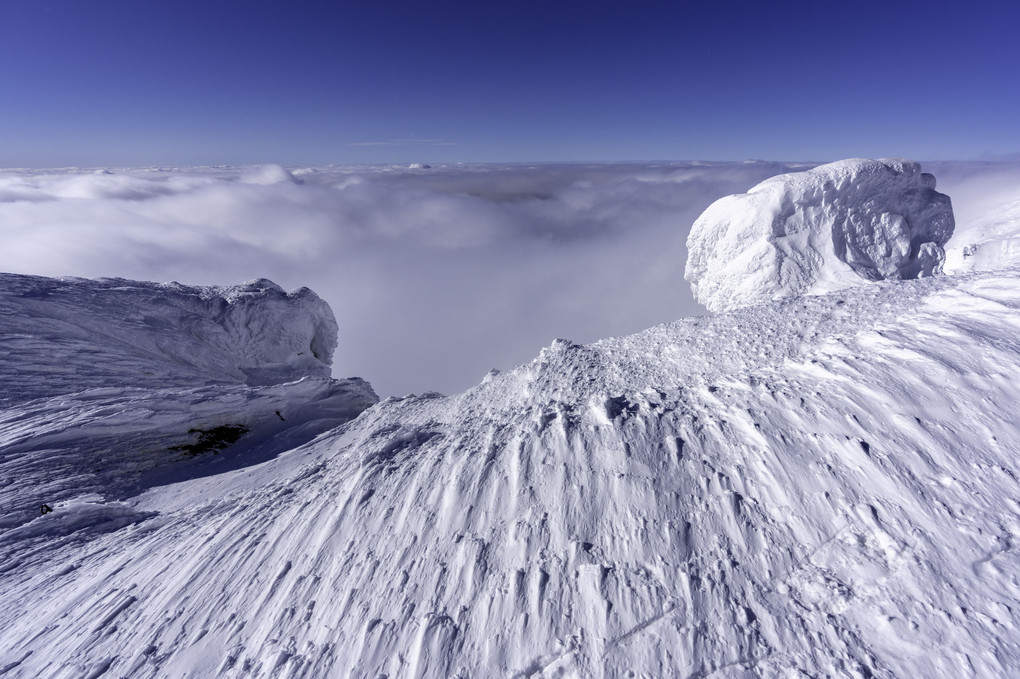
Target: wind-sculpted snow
{"points": [[94, 333], [832, 227], [818, 486], [992, 242], [112, 386]]}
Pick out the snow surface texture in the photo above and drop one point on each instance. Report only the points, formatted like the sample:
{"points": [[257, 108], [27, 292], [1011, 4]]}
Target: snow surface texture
{"points": [[824, 485], [829, 228]]}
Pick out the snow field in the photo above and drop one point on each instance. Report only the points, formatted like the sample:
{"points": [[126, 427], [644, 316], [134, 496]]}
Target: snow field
{"points": [[763, 492]]}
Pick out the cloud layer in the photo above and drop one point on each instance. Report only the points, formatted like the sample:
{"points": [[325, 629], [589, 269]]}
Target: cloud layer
{"points": [[435, 275]]}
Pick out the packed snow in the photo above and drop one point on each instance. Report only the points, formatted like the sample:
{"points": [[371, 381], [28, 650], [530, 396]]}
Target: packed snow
{"points": [[819, 485], [829, 228]]}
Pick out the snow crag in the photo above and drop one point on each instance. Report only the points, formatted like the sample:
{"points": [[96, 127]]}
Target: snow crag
{"points": [[130, 333], [111, 386], [829, 228]]}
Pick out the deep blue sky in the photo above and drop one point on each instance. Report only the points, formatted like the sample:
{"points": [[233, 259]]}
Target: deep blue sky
{"points": [[137, 82]]}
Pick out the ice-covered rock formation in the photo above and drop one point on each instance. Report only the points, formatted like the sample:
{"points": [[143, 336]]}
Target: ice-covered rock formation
{"points": [[826, 229], [109, 386], [98, 333]]}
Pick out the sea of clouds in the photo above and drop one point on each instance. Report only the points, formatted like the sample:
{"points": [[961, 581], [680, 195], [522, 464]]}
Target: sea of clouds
{"points": [[436, 274]]}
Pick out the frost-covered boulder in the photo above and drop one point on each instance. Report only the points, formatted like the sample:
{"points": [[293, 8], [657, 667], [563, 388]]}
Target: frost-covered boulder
{"points": [[813, 232], [116, 332]]}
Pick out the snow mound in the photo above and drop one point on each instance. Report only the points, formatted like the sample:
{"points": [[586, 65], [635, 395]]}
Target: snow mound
{"points": [[98, 333], [832, 227], [991, 242]]}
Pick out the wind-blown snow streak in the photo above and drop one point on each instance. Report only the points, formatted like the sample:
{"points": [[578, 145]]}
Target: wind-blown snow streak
{"points": [[823, 485]]}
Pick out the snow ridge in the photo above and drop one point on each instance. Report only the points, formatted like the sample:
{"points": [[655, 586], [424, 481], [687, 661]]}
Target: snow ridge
{"points": [[832, 227]]}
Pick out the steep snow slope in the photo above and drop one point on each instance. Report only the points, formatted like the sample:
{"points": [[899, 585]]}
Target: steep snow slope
{"points": [[829, 228], [822, 486]]}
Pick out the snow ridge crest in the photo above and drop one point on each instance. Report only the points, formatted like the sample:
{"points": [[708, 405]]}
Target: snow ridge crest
{"points": [[836, 226]]}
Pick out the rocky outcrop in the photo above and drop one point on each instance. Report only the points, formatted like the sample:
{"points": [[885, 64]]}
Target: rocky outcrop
{"points": [[832, 227]]}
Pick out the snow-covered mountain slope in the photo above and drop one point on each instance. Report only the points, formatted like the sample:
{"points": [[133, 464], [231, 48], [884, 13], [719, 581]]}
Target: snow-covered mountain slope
{"points": [[829, 228], [822, 486], [112, 386], [992, 242], [819, 486]]}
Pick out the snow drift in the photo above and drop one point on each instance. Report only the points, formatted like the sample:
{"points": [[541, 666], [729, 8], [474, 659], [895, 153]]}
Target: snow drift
{"points": [[826, 229]]}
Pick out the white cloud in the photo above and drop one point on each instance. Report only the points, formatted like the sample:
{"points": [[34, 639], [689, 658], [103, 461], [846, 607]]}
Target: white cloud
{"points": [[434, 277]]}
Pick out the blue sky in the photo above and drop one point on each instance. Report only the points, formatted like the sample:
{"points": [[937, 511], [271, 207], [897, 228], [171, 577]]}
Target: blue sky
{"points": [[132, 82]]}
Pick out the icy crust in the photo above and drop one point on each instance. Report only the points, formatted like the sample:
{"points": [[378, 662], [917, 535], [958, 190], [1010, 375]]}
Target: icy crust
{"points": [[820, 486], [832, 227], [97, 333]]}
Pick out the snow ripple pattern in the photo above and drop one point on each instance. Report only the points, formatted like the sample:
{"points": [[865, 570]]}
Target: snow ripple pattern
{"points": [[823, 486], [832, 227]]}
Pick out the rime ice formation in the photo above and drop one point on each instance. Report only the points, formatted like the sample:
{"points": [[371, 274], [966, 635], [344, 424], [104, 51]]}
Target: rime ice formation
{"points": [[95, 333], [109, 386], [812, 232]]}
